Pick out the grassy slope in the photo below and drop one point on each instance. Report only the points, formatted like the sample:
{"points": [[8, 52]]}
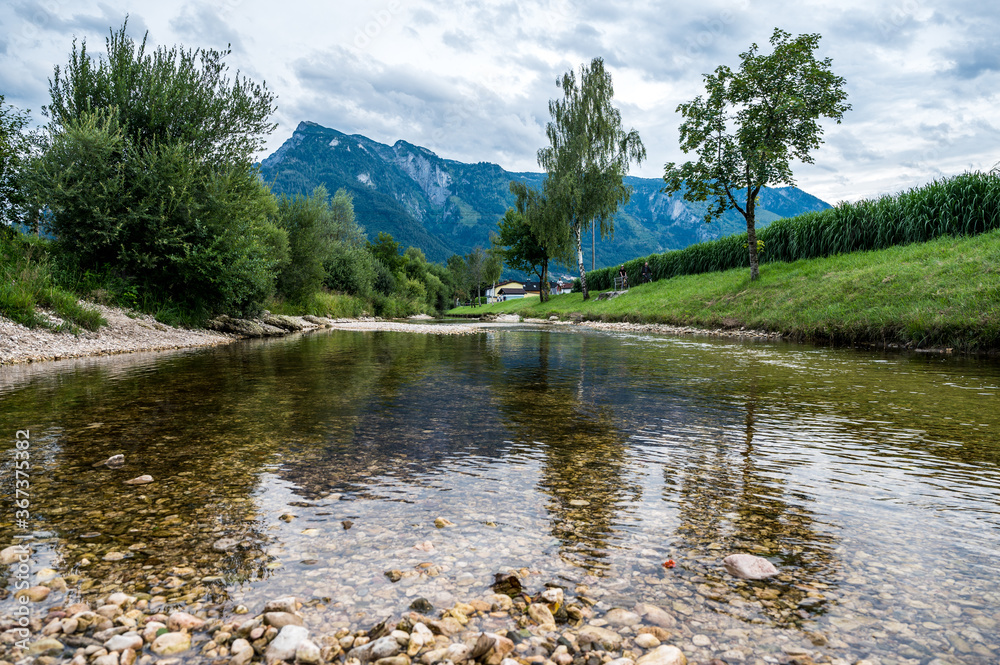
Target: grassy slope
{"points": [[941, 293]]}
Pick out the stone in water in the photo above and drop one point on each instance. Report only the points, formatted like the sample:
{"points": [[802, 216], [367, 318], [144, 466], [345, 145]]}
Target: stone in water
{"points": [[749, 567]]}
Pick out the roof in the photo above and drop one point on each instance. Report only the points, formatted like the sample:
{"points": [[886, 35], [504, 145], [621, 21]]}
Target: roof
{"points": [[511, 291]]}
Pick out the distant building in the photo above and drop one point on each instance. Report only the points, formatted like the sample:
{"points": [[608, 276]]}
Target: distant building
{"points": [[508, 288]]}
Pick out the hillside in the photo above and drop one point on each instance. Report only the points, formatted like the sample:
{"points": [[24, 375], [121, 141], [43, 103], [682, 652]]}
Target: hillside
{"points": [[942, 293], [448, 207]]}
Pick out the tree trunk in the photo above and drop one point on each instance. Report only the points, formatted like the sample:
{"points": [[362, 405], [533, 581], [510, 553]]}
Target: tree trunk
{"points": [[543, 290], [579, 259], [752, 242]]}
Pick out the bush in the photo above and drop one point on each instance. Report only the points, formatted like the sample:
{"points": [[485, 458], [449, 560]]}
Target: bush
{"points": [[27, 283]]}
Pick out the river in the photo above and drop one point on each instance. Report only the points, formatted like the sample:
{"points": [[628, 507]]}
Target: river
{"points": [[316, 465]]}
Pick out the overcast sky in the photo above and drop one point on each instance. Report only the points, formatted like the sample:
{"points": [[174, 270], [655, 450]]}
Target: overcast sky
{"points": [[472, 80]]}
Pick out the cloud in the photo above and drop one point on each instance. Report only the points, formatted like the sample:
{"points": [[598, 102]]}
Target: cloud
{"points": [[201, 25]]}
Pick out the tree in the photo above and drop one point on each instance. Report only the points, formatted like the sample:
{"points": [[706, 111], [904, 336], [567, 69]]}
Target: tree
{"points": [[148, 174], [531, 234], [387, 250], [173, 95], [751, 124], [475, 270], [15, 150], [588, 155]]}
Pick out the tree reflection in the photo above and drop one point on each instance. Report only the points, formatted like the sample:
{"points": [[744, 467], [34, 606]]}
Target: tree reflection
{"points": [[548, 402]]}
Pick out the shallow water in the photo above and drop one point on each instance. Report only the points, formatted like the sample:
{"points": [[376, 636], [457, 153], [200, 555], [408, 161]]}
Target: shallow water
{"points": [[871, 481]]}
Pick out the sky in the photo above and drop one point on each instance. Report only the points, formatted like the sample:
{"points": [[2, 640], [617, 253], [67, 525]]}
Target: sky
{"points": [[471, 80]]}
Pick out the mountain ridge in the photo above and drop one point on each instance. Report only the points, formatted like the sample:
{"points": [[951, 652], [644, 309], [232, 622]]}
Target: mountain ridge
{"points": [[446, 207]]}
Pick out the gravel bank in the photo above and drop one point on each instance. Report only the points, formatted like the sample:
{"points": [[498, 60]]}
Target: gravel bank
{"points": [[124, 333], [128, 332]]}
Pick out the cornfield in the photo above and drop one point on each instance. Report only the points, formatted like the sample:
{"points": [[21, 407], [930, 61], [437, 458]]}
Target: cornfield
{"points": [[963, 205]]}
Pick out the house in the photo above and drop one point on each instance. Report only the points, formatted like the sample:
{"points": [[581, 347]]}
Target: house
{"points": [[563, 287], [510, 288]]}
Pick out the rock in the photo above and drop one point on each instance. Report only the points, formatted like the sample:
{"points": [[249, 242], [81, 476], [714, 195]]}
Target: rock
{"points": [[244, 327], [281, 619], [225, 544], [35, 594], [281, 321], [130, 640], [620, 617], [140, 480], [394, 660], [150, 630], [286, 604], [394, 575], [701, 640], [168, 644], [307, 653], [622, 661], [13, 554], [608, 640], [286, 643], [442, 523], [647, 641], [243, 654], [179, 621], [663, 655], [554, 596], [107, 659], [749, 567], [383, 647], [733, 656], [508, 584], [542, 615], [656, 615], [48, 646], [113, 462], [422, 605], [120, 599]]}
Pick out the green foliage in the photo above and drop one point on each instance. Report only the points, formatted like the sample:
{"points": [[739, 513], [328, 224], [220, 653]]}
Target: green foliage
{"points": [[16, 148], [588, 155], [308, 222], [193, 233], [27, 282], [352, 270], [170, 96], [945, 292], [532, 234], [964, 205], [751, 124], [147, 175], [387, 250]]}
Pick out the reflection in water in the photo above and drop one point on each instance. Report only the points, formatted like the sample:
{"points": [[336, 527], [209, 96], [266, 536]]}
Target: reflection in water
{"points": [[585, 470], [312, 465]]}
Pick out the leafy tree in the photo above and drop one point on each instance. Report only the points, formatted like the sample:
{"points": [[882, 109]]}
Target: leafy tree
{"points": [[172, 95], [475, 269], [387, 250], [531, 234], [458, 275], [588, 155], [148, 174], [16, 146], [308, 221], [751, 124], [158, 218]]}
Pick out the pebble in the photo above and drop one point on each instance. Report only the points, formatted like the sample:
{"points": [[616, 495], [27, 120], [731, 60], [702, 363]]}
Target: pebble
{"points": [[286, 643]]}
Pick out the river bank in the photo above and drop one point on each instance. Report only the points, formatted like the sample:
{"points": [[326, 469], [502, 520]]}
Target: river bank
{"points": [[130, 332], [533, 624], [943, 294]]}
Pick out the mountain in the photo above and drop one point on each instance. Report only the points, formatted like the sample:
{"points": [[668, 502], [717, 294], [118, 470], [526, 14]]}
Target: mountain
{"points": [[448, 207]]}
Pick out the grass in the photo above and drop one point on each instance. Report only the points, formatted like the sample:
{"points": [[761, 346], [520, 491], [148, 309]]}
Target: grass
{"points": [[963, 205], [940, 293], [27, 283]]}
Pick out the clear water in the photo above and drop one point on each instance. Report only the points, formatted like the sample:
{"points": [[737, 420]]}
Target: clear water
{"points": [[871, 481]]}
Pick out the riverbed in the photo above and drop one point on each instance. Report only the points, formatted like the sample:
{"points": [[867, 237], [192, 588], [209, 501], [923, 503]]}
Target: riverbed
{"points": [[317, 465]]}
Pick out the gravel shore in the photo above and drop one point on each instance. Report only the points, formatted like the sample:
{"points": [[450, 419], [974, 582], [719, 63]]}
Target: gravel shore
{"points": [[128, 332]]}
